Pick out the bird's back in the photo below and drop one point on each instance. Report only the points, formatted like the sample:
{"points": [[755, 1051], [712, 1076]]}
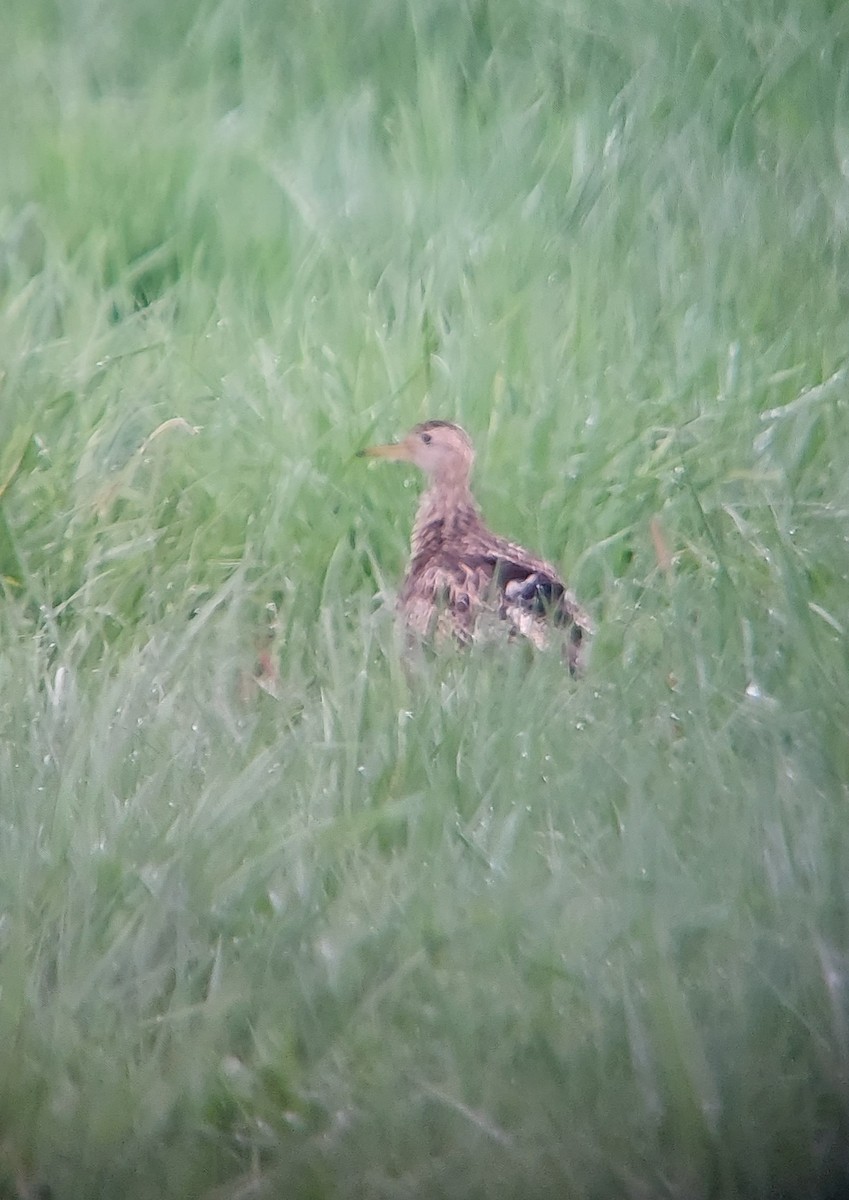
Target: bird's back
{"points": [[461, 575]]}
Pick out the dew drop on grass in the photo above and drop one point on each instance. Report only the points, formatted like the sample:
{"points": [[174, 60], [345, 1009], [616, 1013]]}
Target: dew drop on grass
{"points": [[294, 1120]]}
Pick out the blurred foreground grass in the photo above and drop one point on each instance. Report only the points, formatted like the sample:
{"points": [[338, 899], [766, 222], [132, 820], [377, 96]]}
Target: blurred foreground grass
{"points": [[470, 929]]}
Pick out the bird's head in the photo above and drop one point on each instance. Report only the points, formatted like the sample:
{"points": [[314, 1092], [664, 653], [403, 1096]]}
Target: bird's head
{"points": [[442, 450]]}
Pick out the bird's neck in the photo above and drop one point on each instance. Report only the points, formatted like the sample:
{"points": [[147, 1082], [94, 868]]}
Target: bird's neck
{"points": [[446, 510]]}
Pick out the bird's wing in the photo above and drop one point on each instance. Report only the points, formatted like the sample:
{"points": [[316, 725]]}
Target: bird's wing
{"points": [[521, 580], [446, 589], [532, 597], [448, 592]]}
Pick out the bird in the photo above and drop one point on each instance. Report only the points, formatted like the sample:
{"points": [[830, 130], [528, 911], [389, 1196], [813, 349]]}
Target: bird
{"points": [[464, 581]]}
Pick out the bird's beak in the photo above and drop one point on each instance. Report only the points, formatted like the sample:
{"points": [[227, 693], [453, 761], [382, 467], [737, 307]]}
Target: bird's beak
{"points": [[395, 450]]}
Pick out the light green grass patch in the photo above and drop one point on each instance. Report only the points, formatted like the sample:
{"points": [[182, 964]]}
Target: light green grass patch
{"points": [[280, 913]]}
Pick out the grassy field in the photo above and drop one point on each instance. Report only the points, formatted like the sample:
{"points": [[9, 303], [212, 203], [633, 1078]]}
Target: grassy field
{"points": [[471, 930]]}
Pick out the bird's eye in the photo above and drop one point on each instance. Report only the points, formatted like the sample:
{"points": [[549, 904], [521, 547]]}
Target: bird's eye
{"points": [[427, 439]]}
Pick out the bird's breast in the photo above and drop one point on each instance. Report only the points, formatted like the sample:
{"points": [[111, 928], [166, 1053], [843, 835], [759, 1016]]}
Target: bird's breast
{"points": [[442, 522]]}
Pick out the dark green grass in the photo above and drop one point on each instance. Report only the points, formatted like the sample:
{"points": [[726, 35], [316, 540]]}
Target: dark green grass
{"points": [[459, 927]]}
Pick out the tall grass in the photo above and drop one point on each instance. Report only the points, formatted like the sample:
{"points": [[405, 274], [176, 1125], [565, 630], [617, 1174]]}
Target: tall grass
{"points": [[280, 914]]}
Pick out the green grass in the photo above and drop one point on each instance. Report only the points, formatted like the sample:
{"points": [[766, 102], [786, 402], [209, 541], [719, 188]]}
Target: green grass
{"points": [[468, 929]]}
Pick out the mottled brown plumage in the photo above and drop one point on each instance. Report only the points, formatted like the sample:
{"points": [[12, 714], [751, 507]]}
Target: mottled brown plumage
{"points": [[462, 579]]}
